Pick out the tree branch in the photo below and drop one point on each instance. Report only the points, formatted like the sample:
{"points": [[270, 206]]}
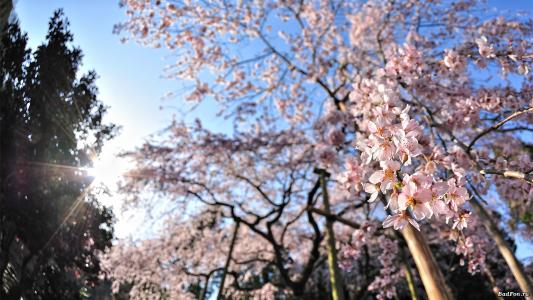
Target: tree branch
{"points": [[498, 125]]}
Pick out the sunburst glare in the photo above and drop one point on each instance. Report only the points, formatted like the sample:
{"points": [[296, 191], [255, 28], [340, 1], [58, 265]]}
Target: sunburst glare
{"points": [[107, 169]]}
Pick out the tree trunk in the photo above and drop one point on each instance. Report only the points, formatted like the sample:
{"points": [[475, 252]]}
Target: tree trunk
{"points": [[496, 234], [427, 266], [408, 276], [228, 261], [406, 267], [204, 290], [410, 281], [492, 283], [335, 276]]}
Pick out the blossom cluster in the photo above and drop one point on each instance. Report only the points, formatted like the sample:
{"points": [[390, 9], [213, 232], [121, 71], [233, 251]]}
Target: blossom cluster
{"points": [[397, 159], [389, 275], [471, 250], [352, 250]]}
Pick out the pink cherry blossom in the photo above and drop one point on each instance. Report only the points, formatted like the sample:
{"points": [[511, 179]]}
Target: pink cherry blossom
{"points": [[386, 177], [417, 199], [485, 49], [455, 196], [373, 189], [399, 220], [461, 221], [454, 61]]}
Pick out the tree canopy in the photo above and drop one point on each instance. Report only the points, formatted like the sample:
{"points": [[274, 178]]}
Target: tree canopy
{"points": [[350, 118]]}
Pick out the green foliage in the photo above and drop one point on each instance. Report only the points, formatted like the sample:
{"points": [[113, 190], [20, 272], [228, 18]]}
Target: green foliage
{"points": [[51, 124]]}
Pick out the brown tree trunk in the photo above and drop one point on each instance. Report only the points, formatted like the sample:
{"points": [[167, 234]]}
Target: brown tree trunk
{"points": [[407, 269], [492, 282], [204, 290], [335, 276], [504, 248], [410, 280], [428, 269], [228, 260]]}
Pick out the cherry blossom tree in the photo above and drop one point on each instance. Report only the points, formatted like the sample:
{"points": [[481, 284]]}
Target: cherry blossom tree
{"points": [[264, 182], [418, 110]]}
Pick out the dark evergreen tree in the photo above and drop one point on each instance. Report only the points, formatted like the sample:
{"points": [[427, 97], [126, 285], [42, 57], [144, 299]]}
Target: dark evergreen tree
{"points": [[51, 224], [6, 6]]}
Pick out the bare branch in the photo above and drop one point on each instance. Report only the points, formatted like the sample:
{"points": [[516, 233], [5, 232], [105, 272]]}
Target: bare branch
{"points": [[498, 125]]}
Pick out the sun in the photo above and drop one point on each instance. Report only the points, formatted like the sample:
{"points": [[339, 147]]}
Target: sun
{"points": [[96, 172], [107, 169]]}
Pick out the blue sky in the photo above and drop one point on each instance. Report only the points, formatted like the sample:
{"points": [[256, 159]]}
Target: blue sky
{"points": [[131, 80]]}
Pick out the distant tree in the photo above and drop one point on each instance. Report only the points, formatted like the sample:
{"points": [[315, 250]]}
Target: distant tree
{"points": [[51, 224]]}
